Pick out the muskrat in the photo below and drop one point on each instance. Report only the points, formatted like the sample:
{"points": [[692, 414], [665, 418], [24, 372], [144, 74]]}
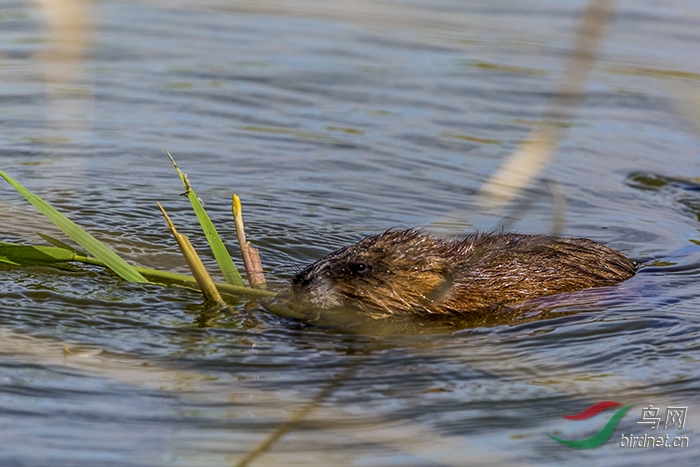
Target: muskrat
{"points": [[410, 271]]}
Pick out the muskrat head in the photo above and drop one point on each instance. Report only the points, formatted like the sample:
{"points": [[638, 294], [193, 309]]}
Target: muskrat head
{"points": [[390, 273]]}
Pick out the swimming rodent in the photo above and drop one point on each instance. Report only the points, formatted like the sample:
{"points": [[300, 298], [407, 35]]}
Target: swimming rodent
{"points": [[410, 271]]}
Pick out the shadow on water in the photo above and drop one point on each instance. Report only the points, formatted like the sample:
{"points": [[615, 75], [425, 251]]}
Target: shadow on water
{"points": [[685, 191]]}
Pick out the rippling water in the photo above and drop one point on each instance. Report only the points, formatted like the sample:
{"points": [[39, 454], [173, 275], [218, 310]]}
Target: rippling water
{"points": [[331, 123]]}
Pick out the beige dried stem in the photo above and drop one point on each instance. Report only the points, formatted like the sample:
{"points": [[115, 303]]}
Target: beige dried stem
{"points": [[206, 284], [300, 414], [251, 256], [528, 160]]}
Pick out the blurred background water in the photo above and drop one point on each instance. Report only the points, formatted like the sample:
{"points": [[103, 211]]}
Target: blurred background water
{"points": [[332, 122]]}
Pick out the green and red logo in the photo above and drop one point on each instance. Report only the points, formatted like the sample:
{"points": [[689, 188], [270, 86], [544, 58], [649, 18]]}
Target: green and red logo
{"points": [[604, 434]]}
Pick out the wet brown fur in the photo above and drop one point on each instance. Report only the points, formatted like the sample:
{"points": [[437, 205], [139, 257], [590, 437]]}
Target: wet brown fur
{"points": [[409, 271]]}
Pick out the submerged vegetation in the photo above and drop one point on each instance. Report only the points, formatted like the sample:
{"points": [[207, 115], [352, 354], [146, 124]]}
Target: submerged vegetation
{"points": [[97, 253]]}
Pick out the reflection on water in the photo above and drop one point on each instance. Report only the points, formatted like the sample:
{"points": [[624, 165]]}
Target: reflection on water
{"points": [[67, 37], [333, 121]]}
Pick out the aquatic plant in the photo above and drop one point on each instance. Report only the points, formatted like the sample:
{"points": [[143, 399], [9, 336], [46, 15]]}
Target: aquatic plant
{"points": [[97, 253]]}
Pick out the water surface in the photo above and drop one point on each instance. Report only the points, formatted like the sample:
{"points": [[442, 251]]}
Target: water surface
{"points": [[331, 123]]}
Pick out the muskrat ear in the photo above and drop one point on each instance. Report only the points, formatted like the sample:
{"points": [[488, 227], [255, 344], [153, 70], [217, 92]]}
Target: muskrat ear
{"points": [[438, 282]]}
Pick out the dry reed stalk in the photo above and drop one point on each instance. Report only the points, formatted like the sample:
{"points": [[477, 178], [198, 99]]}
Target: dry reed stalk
{"points": [[199, 272], [251, 256], [300, 414], [532, 155]]}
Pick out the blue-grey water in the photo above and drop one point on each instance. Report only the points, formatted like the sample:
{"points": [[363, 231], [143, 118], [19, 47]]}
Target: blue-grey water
{"points": [[331, 122]]}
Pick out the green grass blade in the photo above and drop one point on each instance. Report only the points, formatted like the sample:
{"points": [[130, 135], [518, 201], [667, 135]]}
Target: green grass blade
{"points": [[14, 254], [6, 260], [80, 236], [58, 243], [43, 254], [223, 259]]}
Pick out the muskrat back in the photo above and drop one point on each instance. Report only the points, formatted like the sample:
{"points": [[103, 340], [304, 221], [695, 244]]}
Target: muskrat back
{"points": [[409, 271]]}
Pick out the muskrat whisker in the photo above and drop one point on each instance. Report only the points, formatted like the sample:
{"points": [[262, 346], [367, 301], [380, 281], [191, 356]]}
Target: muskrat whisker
{"points": [[323, 238], [290, 262]]}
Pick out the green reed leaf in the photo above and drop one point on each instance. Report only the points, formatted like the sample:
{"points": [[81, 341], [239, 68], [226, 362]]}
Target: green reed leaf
{"points": [[14, 254], [58, 243], [5, 260], [43, 254], [80, 236], [223, 259]]}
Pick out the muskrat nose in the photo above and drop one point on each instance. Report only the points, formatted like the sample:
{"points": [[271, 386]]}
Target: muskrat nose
{"points": [[301, 280]]}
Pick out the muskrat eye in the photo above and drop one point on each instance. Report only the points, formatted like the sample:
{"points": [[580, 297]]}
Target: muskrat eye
{"points": [[359, 268]]}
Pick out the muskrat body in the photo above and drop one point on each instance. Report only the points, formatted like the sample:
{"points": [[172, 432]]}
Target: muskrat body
{"points": [[409, 271]]}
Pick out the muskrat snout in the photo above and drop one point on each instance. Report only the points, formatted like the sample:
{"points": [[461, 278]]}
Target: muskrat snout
{"points": [[301, 280], [316, 284]]}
